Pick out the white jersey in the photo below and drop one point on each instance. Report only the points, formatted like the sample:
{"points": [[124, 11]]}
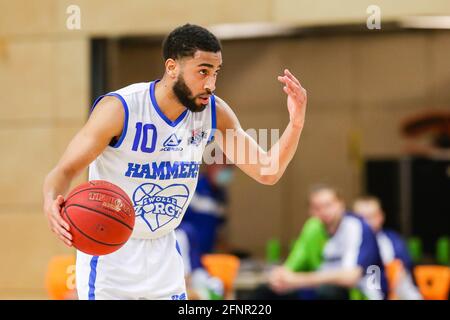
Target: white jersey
{"points": [[155, 160], [354, 244]]}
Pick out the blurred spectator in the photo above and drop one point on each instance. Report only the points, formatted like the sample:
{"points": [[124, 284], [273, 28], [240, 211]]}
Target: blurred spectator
{"points": [[206, 212], [351, 256], [391, 245], [307, 252], [200, 284], [306, 255]]}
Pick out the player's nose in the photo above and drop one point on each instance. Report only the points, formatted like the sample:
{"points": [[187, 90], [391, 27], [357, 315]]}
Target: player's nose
{"points": [[210, 86]]}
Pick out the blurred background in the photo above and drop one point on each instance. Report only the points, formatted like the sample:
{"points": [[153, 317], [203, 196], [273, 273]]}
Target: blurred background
{"points": [[377, 119]]}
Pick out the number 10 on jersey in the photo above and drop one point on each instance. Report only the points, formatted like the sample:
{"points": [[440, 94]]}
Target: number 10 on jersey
{"points": [[148, 133]]}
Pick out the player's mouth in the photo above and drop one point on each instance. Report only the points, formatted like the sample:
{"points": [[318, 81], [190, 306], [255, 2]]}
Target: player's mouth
{"points": [[204, 99]]}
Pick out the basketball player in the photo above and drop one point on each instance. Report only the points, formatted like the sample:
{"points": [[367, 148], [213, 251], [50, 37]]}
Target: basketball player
{"points": [[148, 138]]}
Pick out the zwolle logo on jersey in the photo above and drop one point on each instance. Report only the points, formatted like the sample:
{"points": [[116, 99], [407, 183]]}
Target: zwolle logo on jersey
{"points": [[172, 144], [197, 136], [158, 206]]}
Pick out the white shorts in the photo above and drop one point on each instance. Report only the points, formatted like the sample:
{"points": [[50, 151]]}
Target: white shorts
{"points": [[141, 269]]}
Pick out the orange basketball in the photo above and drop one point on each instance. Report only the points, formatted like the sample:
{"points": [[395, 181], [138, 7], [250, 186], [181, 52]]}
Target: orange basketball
{"points": [[101, 217]]}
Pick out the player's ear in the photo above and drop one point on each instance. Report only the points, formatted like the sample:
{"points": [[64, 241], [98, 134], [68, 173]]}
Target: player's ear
{"points": [[171, 68]]}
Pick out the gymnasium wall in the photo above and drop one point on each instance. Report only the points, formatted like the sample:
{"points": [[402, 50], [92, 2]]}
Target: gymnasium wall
{"points": [[355, 86]]}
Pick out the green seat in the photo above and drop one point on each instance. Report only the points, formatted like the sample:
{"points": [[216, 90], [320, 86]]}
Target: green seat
{"points": [[442, 251], [273, 251], [415, 249]]}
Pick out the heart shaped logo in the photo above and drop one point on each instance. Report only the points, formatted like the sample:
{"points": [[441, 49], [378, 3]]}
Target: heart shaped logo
{"points": [[158, 206]]}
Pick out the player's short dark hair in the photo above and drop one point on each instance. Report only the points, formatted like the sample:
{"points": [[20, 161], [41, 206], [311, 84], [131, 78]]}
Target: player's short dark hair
{"points": [[184, 41]]}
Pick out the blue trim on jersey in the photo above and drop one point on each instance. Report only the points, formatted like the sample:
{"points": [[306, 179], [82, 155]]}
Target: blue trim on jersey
{"points": [[95, 103], [93, 277], [125, 124], [213, 118], [125, 107], [177, 246], [158, 110]]}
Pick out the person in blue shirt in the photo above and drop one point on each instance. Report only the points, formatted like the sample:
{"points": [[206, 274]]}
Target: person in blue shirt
{"points": [[206, 212], [198, 232], [391, 245], [351, 257], [200, 284]]}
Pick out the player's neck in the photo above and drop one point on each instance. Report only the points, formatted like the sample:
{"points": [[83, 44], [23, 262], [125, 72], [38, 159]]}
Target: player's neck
{"points": [[167, 101]]}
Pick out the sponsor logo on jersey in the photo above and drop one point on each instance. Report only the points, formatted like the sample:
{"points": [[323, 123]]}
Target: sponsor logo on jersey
{"points": [[164, 170], [197, 136], [172, 143], [157, 205]]}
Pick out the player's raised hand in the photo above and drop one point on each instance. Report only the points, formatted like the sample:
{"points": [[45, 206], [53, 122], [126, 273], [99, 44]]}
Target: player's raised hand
{"points": [[297, 98], [56, 222]]}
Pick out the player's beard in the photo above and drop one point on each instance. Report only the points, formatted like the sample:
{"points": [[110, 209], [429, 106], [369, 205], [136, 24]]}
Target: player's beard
{"points": [[184, 95]]}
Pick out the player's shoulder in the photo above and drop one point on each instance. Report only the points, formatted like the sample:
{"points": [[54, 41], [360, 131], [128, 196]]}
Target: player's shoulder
{"points": [[226, 118], [353, 223], [134, 88], [351, 217], [221, 105]]}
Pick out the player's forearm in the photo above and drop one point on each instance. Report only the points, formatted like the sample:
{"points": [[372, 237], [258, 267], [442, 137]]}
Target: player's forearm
{"points": [[344, 278], [57, 182], [281, 154]]}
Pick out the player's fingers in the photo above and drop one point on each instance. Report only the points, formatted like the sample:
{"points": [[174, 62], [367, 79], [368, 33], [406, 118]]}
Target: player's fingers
{"points": [[61, 233], [60, 199], [288, 91], [282, 79], [65, 233], [293, 86], [60, 221], [59, 229], [292, 77], [56, 214], [65, 240]]}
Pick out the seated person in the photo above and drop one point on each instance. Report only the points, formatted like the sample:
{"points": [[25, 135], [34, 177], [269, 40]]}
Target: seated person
{"points": [[306, 255], [391, 245], [351, 256], [307, 252]]}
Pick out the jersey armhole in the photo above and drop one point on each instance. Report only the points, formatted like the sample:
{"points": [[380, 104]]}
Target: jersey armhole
{"points": [[213, 119], [115, 143]]}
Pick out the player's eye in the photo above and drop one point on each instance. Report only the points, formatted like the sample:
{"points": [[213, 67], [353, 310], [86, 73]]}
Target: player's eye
{"points": [[203, 72]]}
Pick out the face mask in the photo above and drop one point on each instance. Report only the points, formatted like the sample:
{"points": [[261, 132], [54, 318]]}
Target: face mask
{"points": [[223, 177]]}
